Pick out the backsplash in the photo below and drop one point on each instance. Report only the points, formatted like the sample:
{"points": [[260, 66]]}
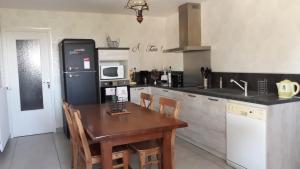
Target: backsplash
{"points": [[252, 79], [149, 80]]}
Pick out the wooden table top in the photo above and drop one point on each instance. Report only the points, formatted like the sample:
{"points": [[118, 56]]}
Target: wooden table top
{"points": [[101, 126]]}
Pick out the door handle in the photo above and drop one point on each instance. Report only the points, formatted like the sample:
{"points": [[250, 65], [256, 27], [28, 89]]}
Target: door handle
{"points": [[191, 95], [7, 88], [211, 99], [75, 68], [48, 84]]}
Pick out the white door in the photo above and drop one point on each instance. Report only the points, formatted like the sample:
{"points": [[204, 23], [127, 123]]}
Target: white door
{"points": [[27, 67], [4, 120]]}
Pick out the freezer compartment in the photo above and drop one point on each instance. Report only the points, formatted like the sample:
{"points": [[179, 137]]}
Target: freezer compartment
{"points": [[81, 88], [79, 56]]}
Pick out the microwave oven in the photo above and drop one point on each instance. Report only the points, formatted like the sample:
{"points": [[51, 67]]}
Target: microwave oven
{"points": [[112, 72]]}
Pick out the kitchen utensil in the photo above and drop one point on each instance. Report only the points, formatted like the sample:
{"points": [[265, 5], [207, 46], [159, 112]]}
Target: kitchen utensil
{"points": [[206, 73], [202, 71], [262, 86], [287, 89]]}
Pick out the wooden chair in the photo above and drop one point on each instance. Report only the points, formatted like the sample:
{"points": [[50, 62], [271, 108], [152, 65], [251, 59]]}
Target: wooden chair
{"points": [[147, 97], [74, 137], [149, 149], [90, 154]]}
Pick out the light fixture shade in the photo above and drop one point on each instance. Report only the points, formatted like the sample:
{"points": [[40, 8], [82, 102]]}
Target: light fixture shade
{"points": [[137, 5]]}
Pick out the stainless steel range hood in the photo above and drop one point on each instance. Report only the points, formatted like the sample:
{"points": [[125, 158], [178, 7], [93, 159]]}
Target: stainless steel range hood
{"points": [[189, 29]]}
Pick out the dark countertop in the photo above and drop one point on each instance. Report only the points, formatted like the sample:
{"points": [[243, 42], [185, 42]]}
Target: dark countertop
{"points": [[233, 94]]}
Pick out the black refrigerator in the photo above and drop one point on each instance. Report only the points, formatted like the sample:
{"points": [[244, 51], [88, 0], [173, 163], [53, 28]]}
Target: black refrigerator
{"points": [[79, 73]]}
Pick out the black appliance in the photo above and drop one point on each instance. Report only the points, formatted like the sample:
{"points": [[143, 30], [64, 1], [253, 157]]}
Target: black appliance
{"points": [[144, 77], [177, 79], [109, 89], [79, 73]]}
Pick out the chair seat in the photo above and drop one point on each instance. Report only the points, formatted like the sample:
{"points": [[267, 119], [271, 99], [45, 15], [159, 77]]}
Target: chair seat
{"points": [[96, 150], [151, 145], [118, 152]]}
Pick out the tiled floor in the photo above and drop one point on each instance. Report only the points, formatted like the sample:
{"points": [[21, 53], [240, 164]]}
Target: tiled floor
{"points": [[52, 151]]}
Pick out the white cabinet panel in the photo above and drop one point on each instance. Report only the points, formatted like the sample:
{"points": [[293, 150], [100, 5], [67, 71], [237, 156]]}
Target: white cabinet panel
{"points": [[206, 117], [109, 55], [135, 93], [159, 92]]}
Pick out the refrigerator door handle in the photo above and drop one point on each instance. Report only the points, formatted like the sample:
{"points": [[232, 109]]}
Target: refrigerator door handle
{"points": [[73, 68], [71, 76]]}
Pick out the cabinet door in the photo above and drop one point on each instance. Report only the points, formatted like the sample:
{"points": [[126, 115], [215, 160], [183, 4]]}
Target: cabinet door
{"points": [[206, 117], [134, 96], [135, 93], [159, 92]]}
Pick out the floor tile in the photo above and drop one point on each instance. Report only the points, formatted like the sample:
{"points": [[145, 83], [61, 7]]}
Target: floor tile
{"points": [[7, 156], [63, 147], [53, 151], [35, 152]]}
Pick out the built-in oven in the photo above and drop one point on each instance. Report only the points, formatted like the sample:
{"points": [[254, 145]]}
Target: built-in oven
{"points": [[112, 72], [119, 88]]}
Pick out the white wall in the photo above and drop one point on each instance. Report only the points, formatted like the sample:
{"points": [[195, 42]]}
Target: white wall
{"points": [[95, 26], [172, 41], [260, 36]]}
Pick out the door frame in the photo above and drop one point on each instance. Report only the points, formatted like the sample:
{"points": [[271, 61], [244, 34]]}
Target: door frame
{"points": [[5, 76]]}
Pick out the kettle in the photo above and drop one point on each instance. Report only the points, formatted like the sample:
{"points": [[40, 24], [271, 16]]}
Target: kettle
{"points": [[287, 89]]}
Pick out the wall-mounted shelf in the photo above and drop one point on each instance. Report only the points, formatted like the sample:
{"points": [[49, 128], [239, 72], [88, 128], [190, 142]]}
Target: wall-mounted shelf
{"points": [[188, 49], [106, 48]]}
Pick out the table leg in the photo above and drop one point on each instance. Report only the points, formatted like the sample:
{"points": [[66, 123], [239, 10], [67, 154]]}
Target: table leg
{"points": [[106, 155], [167, 150]]}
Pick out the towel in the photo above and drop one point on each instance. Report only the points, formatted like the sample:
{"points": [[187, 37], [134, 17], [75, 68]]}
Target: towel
{"points": [[110, 91], [122, 94]]}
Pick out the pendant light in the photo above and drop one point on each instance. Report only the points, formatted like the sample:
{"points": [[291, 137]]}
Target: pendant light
{"points": [[138, 6]]}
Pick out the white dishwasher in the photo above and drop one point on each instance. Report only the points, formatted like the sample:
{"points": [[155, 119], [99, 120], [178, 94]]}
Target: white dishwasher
{"points": [[246, 135]]}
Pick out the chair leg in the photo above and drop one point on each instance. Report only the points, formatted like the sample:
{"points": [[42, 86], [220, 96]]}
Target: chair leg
{"points": [[126, 160], [158, 158], [72, 155], [142, 160], [88, 166], [75, 157], [81, 163]]}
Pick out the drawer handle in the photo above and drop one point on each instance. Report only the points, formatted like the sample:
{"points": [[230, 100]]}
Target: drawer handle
{"points": [[141, 89], [191, 95], [211, 99], [165, 90]]}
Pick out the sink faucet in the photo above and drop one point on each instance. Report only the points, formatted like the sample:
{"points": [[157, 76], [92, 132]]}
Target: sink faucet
{"points": [[245, 88]]}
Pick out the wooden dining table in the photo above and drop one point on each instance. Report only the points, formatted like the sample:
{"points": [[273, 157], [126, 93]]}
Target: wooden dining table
{"points": [[139, 125]]}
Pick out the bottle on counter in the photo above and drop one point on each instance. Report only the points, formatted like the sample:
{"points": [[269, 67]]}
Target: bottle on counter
{"points": [[221, 82], [170, 76]]}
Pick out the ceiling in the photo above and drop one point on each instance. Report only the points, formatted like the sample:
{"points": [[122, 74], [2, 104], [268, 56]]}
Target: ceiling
{"points": [[157, 7]]}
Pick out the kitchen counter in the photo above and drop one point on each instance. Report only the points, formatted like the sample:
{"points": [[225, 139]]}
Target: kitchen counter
{"points": [[233, 94]]}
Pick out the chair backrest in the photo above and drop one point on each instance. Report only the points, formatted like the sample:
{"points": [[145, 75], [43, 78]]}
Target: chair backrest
{"points": [[70, 122], [83, 142], [147, 97], [164, 103]]}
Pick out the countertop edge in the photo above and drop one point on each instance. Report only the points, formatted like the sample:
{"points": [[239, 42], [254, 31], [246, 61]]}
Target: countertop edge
{"points": [[254, 100]]}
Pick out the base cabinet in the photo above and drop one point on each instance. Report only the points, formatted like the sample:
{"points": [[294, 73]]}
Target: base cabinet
{"points": [[206, 117], [135, 93], [158, 92]]}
